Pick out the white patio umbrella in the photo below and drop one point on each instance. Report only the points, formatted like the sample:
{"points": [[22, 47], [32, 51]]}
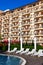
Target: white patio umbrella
{"points": [[20, 30], [9, 33]]}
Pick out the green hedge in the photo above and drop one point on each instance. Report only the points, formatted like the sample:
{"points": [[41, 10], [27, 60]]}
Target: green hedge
{"points": [[12, 46], [30, 46], [39, 47]]}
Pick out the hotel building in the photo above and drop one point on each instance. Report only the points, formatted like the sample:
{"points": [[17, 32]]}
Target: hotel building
{"points": [[30, 17]]}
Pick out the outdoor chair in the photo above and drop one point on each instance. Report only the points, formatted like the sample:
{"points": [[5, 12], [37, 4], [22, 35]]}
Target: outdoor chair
{"points": [[19, 51], [23, 52], [31, 52], [38, 53], [41, 53], [14, 50]]}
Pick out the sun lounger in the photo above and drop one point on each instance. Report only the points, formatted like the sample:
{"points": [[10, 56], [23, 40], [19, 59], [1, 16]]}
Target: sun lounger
{"points": [[15, 49], [19, 51], [31, 52], [41, 53], [37, 53], [27, 50]]}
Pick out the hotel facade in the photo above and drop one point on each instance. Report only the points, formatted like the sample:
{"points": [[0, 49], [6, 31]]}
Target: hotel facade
{"points": [[26, 21]]}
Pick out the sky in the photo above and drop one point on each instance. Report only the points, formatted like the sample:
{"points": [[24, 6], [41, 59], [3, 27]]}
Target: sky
{"points": [[12, 4]]}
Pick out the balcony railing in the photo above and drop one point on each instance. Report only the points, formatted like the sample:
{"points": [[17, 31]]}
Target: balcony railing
{"points": [[26, 11], [37, 8], [26, 23], [6, 27], [36, 27], [14, 25], [6, 31], [6, 22], [39, 21], [25, 17], [15, 30]]}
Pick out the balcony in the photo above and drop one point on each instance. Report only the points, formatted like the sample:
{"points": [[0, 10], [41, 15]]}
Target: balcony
{"points": [[38, 8], [25, 23], [6, 32], [24, 30], [25, 16], [41, 2], [15, 21], [15, 16], [39, 15], [6, 27], [41, 7], [23, 12], [36, 26], [41, 21], [26, 35], [41, 40], [6, 22], [39, 28], [6, 19], [24, 19], [37, 33], [38, 21], [15, 30], [41, 32], [14, 25], [26, 11], [14, 36]]}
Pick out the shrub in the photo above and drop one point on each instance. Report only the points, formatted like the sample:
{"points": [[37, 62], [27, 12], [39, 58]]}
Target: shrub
{"points": [[11, 46], [14, 45], [4, 47], [39, 47], [1, 46]]}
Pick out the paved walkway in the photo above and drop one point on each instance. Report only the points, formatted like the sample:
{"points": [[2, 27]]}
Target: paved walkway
{"points": [[31, 60]]}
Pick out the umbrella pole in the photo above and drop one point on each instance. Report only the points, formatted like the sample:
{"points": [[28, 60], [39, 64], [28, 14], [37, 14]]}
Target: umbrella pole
{"points": [[35, 43], [8, 44]]}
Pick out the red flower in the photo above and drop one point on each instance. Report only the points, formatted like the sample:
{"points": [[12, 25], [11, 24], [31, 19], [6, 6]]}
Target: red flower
{"points": [[15, 41], [5, 41]]}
